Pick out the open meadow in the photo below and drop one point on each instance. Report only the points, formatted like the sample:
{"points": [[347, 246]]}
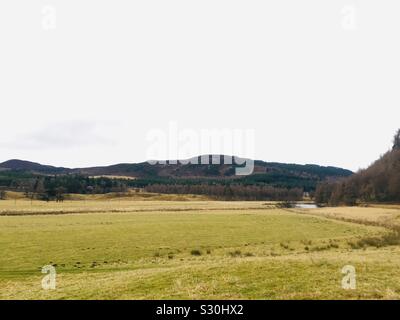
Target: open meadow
{"points": [[192, 248]]}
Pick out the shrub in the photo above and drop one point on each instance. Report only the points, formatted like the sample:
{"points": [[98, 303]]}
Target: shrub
{"points": [[285, 204], [195, 252], [284, 245], [390, 239], [235, 253]]}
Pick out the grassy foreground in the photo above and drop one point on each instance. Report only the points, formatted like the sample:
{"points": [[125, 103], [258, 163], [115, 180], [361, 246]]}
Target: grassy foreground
{"points": [[153, 249]]}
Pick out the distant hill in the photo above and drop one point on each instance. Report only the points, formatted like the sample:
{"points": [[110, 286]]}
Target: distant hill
{"points": [[380, 182], [177, 170], [33, 167], [265, 173]]}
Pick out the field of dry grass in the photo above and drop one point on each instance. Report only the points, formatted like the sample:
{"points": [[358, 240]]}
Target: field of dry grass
{"points": [[132, 248], [379, 215], [25, 207]]}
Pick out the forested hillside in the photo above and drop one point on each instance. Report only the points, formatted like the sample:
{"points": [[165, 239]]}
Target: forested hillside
{"points": [[269, 181], [378, 183]]}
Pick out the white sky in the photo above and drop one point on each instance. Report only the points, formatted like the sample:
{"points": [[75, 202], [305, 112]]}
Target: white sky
{"points": [[315, 85]]}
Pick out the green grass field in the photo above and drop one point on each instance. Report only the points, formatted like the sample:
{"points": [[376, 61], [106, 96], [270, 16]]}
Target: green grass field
{"points": [[154, 249]]}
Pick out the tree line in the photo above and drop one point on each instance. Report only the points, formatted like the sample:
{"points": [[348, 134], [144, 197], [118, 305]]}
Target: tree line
{"points": [[55, 187], [230, 192]]}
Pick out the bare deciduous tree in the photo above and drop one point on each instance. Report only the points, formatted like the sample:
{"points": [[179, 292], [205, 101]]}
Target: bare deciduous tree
{"points": [[396, 140]]}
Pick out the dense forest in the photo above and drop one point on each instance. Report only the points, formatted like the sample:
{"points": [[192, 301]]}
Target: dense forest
{"points": [[55, 187], [231, 192], [378, 183]]}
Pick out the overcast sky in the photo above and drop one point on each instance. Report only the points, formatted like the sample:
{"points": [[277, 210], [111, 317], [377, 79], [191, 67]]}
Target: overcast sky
{"points": [[83, 83]]}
